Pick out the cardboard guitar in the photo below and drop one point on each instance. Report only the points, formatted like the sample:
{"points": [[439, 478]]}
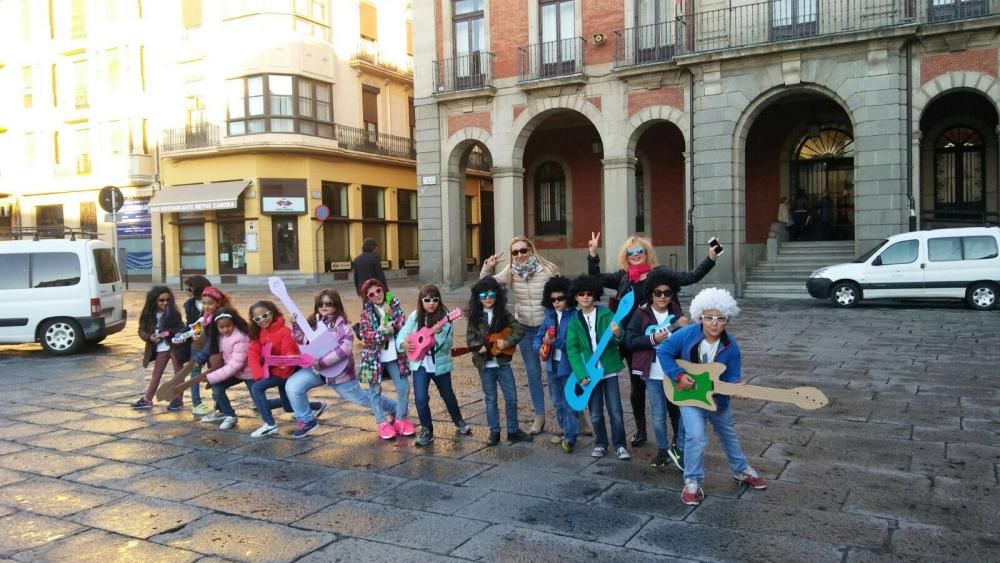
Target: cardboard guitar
{"points": [[423, 339], [578, 400], [167, 391], [707, 382], [319, 340]]}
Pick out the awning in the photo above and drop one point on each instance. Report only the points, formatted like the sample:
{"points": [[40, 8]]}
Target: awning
{"points": [[200, 197]]}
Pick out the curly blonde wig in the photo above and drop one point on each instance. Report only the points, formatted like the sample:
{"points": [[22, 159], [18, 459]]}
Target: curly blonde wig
{"points": [[632, 242]]}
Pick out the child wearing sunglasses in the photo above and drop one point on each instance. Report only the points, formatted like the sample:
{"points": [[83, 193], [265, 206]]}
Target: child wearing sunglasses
{"points": [[586, 329], [560, 307], [705, 342], [651, 325], [159, 321], [268, 327], [381, 319], [488, 315], [435, 365]]}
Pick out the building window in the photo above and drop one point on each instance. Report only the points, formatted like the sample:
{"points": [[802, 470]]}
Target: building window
{"points": [[335, 197], [557, 30], [29, 148], [369, 111], [944, 10], [550, 200], [279, 103], [413, 118], [49, 219], [88, 216], [470, 40], [336, 230], [82, 138], [191, 13], [369, 21], [313, 9], [373, 214], [823, 165], [654, 33], [960, 172], [28, 85], [114, 71], [192, 247], [78, 19], [80, 95], [794, 18], [406, 206], [25, 20]]}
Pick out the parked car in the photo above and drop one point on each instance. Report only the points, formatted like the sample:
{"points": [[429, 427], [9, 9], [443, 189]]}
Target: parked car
{"points": [[61, 293], [960, 263]]}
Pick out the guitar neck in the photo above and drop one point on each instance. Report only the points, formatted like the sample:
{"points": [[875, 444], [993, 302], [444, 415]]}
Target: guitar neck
{"points": [[757, 392], [278, 289]]}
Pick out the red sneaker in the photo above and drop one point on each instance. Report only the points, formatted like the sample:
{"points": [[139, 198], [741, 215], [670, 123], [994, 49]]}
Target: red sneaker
{"points": [[386, 431], [405, 427], [750, 478], [692, 493]]}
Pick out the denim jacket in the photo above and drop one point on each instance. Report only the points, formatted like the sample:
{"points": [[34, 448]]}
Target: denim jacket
{"points": [[684, 343]]}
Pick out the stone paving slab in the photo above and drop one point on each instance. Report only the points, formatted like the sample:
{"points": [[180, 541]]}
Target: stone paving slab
{"points": [[945, 544], [443, 470], [23, 531], [171, 485], [49, 463], [286, 474], [137, 451], [261, 502], [10, 447], [545, 484], [140, 517], [68, 440], [105, 424], [431, 497], [355, 549], [237, 539], [353, 485], [521, 545], [97, 546], [54, 497], [108, 474]]}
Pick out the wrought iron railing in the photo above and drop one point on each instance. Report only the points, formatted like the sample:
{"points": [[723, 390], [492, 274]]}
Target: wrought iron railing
{"points": [[466, 72], [192, 137], [940, 11], [550, 59], [647, 44], [368, 51], [356, 139]]}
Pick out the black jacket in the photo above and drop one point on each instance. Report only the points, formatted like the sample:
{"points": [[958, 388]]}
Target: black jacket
{"points": [[368, 265]]}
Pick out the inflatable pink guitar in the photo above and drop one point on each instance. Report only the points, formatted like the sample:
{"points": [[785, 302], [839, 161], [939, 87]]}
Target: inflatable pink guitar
{"points": [[319, 341], [423, 339], [302, 360]]}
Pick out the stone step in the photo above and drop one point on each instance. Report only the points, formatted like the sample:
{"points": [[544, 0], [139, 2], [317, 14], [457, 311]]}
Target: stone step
{"points": [[796, 287], [774, 295]]}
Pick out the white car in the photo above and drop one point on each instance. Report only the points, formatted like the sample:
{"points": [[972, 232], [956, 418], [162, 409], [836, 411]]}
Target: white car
{"points": [[62, 293], [960, 263]]}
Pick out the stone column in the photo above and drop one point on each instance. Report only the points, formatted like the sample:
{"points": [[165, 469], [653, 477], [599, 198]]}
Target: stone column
{"points": [[619, 206], [508, 206], [453, 230], [916, 182]]}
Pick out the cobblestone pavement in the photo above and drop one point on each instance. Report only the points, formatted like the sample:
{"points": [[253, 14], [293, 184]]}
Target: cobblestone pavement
{"points": [[901, 466]]}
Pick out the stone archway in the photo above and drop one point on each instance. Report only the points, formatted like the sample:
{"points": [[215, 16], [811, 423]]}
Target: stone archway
{"points": [[462, 204]]}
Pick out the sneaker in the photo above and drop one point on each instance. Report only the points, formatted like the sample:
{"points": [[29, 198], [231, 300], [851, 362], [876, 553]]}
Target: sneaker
{"points": [[302, 429], [538, 425], [556, 440], [623, 454], [319, 411], [404, 428], [566, 446], [142, 403], [463, 427], [494, 439], [598, 452], [750, 478], [660, 460], [385, 431], [639, 438], [176, 405], [227, 423], [265, 430], [519, 436], [692, 493], [201, 410], [216, 416], [425, 437], [676, 456]]}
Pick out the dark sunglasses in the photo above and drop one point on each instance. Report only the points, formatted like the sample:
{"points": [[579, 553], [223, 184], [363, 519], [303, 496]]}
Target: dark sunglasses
{"points": [[488, 295], [375, 293], [189, 289], [663, 293], [584, 293], [326, 303], [518, 251], [431, 299], [556, 298], [634, 251], [262, 317]]}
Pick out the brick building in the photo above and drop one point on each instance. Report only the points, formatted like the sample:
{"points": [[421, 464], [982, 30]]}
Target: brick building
{"points": [[690, 119]]}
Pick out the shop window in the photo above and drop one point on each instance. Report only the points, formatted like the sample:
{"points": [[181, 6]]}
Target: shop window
{"points": [[335, 197], [372, 203], [409, 242], [192, 245], [49, 220], [369, 111], [88, 216]]}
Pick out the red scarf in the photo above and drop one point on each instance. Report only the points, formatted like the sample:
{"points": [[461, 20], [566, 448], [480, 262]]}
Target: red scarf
{"points": [[636, 272]]}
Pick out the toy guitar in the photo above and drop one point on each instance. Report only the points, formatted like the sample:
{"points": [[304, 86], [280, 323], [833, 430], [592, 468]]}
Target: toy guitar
{"points": [[546, 349], [707, 382], [578, 401], [496, 337], [193, 331], [302, 360], [319, 341], [652, 329], [423, 339], [167, 391]]}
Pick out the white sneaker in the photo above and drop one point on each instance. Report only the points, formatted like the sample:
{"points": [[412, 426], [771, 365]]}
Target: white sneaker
{"points": [[598, 452], [265, 430], [227, 423], [623, 454], [215, 416]]}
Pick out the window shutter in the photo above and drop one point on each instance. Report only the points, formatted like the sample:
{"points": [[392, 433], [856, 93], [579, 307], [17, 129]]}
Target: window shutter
{"points": [[191, 13], [369, 102], [369, 21], [409, 38]]}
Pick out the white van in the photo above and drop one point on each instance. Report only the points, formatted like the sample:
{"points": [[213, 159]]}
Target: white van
{"points": [[961, 263], [59, 292]]}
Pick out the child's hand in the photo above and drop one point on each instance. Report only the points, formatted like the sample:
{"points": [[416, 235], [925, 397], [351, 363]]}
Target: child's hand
{"points": [[684, 382], [585, 382], [616, 330], [547, 339], [316, 366], [736, 395], [482, 349], [501, 344], [407, 346], [660, 335]]}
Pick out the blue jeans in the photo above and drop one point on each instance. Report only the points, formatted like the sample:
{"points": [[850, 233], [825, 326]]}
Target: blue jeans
{"points": [[259, 393], [305, 379], [566, 416], [421, 396], [504, 377], [696, 440], [402, 393], [607, 394], [661, 407], [533, 368], [222, 403]]}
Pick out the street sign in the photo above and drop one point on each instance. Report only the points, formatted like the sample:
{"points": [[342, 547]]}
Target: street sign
{"points": [[322, 213], [111, 199]]}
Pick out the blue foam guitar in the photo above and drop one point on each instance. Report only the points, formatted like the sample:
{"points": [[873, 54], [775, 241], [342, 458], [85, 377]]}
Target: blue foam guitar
{"points": [[578, 400], [652, 329]]}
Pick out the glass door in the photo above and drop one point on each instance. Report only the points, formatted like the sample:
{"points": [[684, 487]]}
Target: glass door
{"points": [[470, 42], [654, 38], [558, 30], [791, 19], [232, 248], [286, 244]]}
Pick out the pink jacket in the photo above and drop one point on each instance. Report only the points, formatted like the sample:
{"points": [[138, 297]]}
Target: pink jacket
{"points": [[337, 366], [234, 355]]}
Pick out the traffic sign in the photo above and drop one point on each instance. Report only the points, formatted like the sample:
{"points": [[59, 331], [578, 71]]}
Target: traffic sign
{"points": [[322, 213], [111, 199]]}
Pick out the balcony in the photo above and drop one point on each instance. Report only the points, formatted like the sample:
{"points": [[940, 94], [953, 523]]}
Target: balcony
{"points": [[368, 56], [467, 72], [951, 10], [647, 44], [193, 137], [551, 59], [356, 139]]}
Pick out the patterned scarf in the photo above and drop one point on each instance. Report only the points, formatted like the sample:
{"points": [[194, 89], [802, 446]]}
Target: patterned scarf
{"points": [[525, 270]]}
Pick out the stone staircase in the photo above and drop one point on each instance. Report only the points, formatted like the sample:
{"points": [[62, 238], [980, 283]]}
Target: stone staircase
{"points": [[785, 277]]}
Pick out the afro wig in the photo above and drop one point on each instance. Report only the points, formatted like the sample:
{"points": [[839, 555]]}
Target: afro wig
{"points": [[658, 277], [557, 284], [489, 283], [587, 283]]}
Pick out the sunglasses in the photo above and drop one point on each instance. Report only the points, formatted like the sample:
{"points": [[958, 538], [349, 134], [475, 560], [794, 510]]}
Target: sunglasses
{"points": [[714, 319], [634, 251], [557, 298], [488, 295], [663, 293], [326, 303], [431, 299], [375, 293], [519, 251], [189, 289], [262, 317], [584, 293]]}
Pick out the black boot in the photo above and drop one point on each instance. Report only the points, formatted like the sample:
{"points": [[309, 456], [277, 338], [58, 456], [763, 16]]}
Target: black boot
{"points": [[494, 439], [639, 438]]}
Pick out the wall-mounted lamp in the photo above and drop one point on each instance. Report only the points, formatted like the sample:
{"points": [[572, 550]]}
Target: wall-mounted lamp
{"points": [[597, 147]]}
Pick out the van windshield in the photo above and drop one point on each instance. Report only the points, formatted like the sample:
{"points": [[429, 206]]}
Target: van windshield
{"points": [[864, 257], [107, 270]]}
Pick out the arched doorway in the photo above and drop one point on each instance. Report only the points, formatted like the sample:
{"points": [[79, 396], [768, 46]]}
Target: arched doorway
{"points": [[659, 187], [823, 174], [476, 167]]}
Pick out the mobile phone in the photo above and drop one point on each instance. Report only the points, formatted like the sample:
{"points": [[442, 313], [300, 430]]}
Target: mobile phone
{"points": [[714, 243]]}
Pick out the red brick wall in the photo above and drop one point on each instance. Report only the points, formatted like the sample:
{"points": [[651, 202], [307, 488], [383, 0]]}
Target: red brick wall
{"points": [[600, 16], [595, 101], [660, 97], [460, 121], [508, 31], [439, 30], [574, 147], [663, 147], [978, 60], [517, 109]]}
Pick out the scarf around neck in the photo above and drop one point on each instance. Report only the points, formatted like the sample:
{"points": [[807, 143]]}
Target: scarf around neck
{"points": [[525, 270], [637, 271]]}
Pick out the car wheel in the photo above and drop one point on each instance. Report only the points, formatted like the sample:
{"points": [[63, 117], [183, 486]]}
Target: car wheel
{"points": [[845, 294], [61, 337], [981, 296]]}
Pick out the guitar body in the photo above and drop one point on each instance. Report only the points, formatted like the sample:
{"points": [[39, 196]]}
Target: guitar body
{"points": [[546, 349], [167, 391], [496, 336], [577, 394], [423, 340], [319, 341], [707, 382]]}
